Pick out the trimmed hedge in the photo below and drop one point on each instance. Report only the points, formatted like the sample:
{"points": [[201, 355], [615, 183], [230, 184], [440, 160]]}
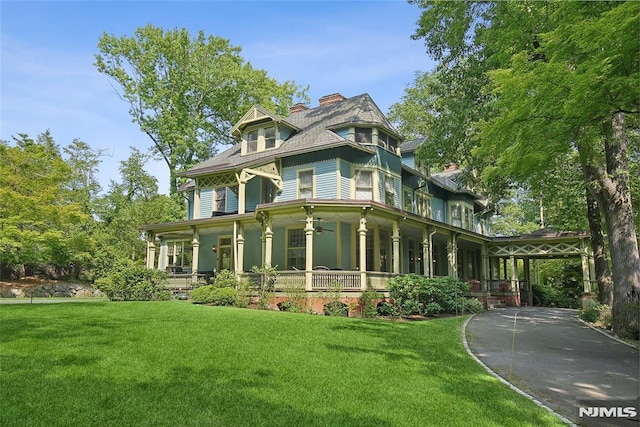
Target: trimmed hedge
{"points": [[211, 294]]}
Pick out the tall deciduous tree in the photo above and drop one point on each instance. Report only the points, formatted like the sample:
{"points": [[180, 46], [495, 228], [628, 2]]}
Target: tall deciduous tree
{"points": [[541, 80], [186, 93], [38, 223], [84, 162], [127, 205]]}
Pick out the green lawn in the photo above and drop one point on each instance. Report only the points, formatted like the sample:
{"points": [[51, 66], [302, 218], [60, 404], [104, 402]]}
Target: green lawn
{"points": [[178, 364]]}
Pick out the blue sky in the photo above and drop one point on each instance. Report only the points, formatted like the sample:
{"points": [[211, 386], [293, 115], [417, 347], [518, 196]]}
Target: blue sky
{"points": [[48, 80]]}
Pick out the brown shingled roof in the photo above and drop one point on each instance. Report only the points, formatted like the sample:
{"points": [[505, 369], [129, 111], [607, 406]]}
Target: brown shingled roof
{"points": [[315, 133]]}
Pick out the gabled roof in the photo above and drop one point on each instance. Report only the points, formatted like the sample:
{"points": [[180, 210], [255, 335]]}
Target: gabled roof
{"points": [[411, 145], [258, 114], [314, 132]]}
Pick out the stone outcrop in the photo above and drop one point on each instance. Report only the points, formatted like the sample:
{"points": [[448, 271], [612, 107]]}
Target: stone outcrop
{"points": [[47, 289]]}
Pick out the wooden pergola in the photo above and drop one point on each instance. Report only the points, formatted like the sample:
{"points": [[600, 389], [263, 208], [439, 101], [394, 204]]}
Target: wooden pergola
{"points": [[503, 254]]}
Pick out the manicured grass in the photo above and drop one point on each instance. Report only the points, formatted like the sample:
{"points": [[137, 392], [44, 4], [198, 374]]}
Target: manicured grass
{"points": [[178, 364]]}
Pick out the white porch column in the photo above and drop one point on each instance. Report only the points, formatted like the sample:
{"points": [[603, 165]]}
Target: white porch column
{"points": [[395, 238], [452, 255], [240, 248], [426, 254], [362, 235], [308, 231], [485, 268], [268, 242], [163, 259], [242, 183], [195, 248], [151, 251], [196, 200]]}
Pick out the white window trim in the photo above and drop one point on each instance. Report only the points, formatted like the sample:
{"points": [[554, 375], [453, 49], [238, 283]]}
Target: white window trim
{"points": [[395, 194], [313, 182], [374, 182], [261, 138]]}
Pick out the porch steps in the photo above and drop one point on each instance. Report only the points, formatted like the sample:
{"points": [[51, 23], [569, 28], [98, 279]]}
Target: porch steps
{"points": [[493, 302]]}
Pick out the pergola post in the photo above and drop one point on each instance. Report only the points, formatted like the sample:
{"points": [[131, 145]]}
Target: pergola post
{"points": [[514, 273]]}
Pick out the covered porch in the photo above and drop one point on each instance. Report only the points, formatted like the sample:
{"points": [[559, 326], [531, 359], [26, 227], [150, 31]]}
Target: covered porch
{"points": [[315, 244]]}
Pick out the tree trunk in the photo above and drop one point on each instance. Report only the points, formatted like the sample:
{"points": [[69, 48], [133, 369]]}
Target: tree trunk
{"points": [[623, 243], [603, 274]]}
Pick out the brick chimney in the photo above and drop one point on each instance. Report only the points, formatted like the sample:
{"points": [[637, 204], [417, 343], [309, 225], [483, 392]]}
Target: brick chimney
{"points": [[297, 108], [452, 167], [331, 99]]}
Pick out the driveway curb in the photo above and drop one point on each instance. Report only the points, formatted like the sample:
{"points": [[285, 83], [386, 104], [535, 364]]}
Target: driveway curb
{"points": [[613, 337], [511, 386]]}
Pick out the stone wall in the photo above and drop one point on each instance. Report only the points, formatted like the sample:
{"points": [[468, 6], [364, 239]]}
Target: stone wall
{"points": [[51, 289]]}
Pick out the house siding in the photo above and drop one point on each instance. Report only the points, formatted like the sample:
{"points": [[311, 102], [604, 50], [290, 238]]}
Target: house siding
{"points": [[345, 180], [232, 200], [253, 190], [324, 176], [438, 210], [206, 202]]}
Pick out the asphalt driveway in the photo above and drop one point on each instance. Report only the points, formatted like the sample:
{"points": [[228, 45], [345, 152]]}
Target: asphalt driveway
{"points": [[556, 358]]}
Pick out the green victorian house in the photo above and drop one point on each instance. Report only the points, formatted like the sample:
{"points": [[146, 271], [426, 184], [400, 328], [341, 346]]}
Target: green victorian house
{"points": [[334, 193]]}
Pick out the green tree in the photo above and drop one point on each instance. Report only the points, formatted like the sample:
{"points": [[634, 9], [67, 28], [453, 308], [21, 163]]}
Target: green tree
{"points": [[537, 88], [127, 205], [38, 223], [84, 162], [186, 93]]}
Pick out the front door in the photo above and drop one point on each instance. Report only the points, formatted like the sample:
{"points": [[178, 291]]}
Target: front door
{"points": [[225, 254]]}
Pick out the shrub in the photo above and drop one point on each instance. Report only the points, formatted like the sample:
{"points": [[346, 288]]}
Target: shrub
{"points": [[413, 292], [411, 306], [225, 296], [590, 312], [297, 299], [286, 306], [336, 308], [267, 284], [226, 279], [432, 309], [472, 305], [212, 295], [368, 303], [203, 294], [244, 294], [131, 282], [385, 308]]}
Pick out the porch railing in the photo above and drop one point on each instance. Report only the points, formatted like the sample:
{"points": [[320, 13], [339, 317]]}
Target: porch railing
{"points": [[320, 279], [350, 280]]}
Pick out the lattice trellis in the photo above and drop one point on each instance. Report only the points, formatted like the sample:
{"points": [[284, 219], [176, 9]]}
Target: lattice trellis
{"points": [[536, 249], [227, 179]]}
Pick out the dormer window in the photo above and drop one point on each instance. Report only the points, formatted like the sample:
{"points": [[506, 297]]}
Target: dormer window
{"points": [[252, 141], [270, 137], [259, 139]]}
